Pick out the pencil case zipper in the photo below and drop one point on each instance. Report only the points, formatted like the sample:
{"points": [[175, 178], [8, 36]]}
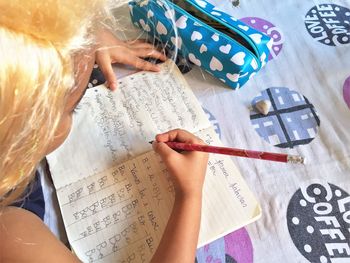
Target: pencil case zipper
{"points": [[240, 33]]}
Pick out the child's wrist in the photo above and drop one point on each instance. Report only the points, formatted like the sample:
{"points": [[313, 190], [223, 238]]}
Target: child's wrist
{"points": [[194, 195]]}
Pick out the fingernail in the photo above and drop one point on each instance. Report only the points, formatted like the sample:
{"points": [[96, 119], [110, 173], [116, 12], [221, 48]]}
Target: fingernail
{"points": [[113, 86]]}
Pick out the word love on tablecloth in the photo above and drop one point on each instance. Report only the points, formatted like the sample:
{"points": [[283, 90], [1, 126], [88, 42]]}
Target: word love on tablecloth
{"points": [[329, 24], [318, 219]]}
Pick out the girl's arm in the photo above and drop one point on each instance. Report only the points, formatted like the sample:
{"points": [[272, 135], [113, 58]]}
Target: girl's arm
{"points": [[179, 241], [25, 238], [180, 237]]}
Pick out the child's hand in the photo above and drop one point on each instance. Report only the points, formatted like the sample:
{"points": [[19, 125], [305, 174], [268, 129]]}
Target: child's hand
{"points": [[187, 168], [112, 50], [179, 241]]}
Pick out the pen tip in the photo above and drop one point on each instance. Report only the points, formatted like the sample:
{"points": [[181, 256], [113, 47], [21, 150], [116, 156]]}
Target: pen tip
{"points": [[150, 142]]}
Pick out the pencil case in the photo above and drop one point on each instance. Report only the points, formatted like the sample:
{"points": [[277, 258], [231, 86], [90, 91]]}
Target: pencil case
{"points": [[225, 47]]}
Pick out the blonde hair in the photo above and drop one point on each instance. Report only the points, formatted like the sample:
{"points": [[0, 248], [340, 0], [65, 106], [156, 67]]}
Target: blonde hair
{"points": [[37, 41]]}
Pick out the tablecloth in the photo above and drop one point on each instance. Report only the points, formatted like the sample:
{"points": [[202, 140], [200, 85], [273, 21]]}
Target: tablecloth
{"points": [[306, 208]]}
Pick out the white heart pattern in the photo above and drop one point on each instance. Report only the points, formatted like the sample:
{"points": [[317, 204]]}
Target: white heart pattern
{"points": [[232, 77], [203, 48], [215, 37], [254, 64], [196, 36], [161, 29], [170, 13], [214, 13], [150, 14], [238, 58], [225, 49], [245, 28], [131, 8], [145, 26], [177, 42], [143, 3], [194, 60], [263, 59], [201, 3], [270, 44], [256, 38], [182, 22], [216, 65]]}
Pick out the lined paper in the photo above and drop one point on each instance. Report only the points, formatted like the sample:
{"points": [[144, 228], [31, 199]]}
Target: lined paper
{"points": [[115, 193]]}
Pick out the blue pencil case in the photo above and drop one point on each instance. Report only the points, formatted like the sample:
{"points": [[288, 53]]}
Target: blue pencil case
{"points": [[225, 47]]}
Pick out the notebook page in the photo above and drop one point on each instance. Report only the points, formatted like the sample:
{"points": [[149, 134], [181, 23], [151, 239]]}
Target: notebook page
{"points": [[111, 127], [118, 215], [103, 208], [228, 204], [121, 213]]}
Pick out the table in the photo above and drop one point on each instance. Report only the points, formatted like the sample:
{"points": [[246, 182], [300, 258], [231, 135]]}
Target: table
{"points": [[306, 209]]}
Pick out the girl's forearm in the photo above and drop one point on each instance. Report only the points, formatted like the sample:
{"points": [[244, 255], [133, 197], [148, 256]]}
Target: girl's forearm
{"points": [[180, 238]]}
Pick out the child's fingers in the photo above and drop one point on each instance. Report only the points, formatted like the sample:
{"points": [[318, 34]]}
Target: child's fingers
{"points": [[128, 57], [150, 53], [139, 63], [138, 46], [179, 136], [104, 62], [163, 150], [136, 41], [142, 45]]}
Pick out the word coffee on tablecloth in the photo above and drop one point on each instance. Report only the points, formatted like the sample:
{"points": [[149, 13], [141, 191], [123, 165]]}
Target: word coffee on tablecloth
{"points": [[318, 218], [329, 24]]}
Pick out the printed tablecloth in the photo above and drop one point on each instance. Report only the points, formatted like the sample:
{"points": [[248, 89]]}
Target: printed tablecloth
{"points": [[306, 209]]}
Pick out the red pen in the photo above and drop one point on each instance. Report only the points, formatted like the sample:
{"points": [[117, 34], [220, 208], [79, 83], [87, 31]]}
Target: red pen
{"points": [[268, 156]]}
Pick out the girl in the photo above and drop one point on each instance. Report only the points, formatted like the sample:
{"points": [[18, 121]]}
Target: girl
{"points": [[47, 54]]}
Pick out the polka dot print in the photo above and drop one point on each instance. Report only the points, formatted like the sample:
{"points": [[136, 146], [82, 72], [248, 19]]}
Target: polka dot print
{"points": [[227, 60], [346, 92], [318, 219], [291, 121], [329, 24], [269, 29]]}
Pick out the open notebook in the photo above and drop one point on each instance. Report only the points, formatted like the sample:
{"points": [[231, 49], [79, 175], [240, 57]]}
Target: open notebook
{"points": [[115, 193]]}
